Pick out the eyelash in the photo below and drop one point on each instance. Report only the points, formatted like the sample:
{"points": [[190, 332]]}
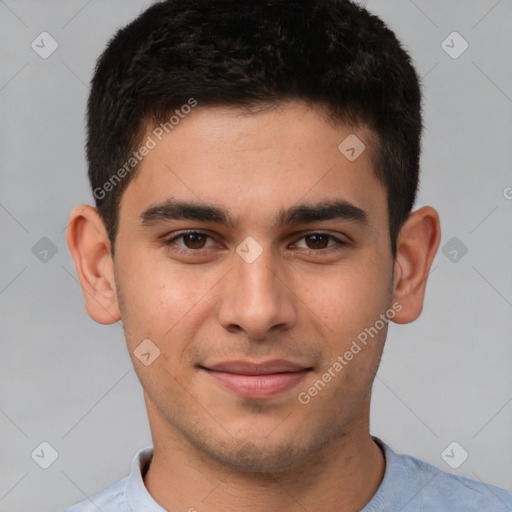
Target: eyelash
{"points": [[169, 242]]}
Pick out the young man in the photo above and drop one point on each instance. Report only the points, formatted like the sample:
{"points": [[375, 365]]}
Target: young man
{"points": [[254, 166]]}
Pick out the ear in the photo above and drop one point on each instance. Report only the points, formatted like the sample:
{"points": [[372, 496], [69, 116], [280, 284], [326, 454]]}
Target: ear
{"points": [[417, 245], [89, 246]]}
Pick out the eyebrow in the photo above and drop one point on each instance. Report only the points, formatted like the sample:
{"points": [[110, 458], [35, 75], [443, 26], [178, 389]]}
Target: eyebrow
{"points": [[172, 209]]}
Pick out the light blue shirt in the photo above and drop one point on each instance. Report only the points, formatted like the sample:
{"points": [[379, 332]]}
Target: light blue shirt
{"points": [[409, 485]]}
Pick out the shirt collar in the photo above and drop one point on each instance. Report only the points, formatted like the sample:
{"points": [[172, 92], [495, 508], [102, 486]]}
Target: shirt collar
{"points": [[138, 497]]}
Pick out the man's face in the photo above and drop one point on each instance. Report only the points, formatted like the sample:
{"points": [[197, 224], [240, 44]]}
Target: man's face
{"points": [[257, 290]]}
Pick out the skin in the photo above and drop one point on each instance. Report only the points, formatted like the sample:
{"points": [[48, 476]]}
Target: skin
{"points": [[214, 450]]}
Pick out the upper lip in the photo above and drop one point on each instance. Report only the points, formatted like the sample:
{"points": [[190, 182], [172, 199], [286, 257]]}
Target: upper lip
{"points": [[263, 368]]}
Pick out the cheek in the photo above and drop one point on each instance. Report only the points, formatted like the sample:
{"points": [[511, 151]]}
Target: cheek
{"points": [[351, 298], [161, 301], [147, 307]]}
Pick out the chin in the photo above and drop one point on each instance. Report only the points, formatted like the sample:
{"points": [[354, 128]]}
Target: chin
{"points": [[250, 457], [259, 456]]}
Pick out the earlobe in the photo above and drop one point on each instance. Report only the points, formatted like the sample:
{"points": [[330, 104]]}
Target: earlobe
{"points": [[417, 245], [89, 246]]}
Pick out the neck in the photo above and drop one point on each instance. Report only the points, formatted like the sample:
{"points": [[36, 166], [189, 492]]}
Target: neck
{"points": [[343, 476]]}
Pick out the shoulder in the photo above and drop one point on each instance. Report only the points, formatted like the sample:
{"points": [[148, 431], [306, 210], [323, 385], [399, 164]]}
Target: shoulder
{"points": [[112, 499], [413, 484], [456, 492]]}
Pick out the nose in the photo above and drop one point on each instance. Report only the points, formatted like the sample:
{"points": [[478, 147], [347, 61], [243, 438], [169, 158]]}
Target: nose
{"points": [[257, 297]]}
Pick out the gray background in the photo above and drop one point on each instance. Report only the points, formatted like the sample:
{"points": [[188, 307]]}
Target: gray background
{"points": [[68, 381]]}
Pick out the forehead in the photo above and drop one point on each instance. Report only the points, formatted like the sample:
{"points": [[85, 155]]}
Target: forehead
{"points": [[257, 164]]}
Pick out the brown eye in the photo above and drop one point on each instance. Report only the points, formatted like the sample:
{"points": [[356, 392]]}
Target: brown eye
{"points": [[188, 241], [194, 240], [317, 241]]}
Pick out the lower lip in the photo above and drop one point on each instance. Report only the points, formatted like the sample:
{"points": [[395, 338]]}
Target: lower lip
{"points": [[258, 386]]}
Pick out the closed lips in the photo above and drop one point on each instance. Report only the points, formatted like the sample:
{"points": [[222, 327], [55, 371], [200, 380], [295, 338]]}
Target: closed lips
{"points": [[264, 368]]}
